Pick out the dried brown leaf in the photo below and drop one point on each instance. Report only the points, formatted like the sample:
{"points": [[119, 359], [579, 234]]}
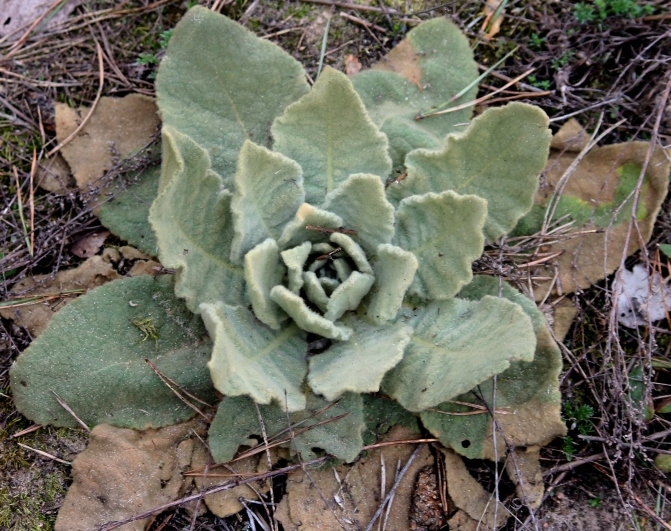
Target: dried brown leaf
{"points": [[89, 245]]}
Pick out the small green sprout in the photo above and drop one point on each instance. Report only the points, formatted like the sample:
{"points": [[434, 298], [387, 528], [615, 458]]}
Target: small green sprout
{"points": [[536, 41], [541, 84], [562, 61], [148, 329], [595, 503]]}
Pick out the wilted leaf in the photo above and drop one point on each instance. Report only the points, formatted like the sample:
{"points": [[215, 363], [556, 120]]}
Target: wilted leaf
{"points": [[53, 175], [241, 106], [117, 130], [524, 469], [94, 272], [492, 25], [415, 77], [352, 65], [331, 137], [89, 245], [598, 195], [237, 423], [125, 472], [93, 356], [18, 15]]}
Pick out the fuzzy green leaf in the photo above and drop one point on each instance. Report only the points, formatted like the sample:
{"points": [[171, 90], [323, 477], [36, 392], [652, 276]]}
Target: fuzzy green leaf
{"points": [[237, 422], [330, 135], [498, 158], [362, 204], [250, 359], [307, 319], [358, 365], [268, 192], [381, 413], [527, 392], [431, 65], [193, 225], [263, 271], [93, 356], [295, 259], [127, 213], [307, 215], [353, 251], [201, 91], [444, 232], [457, 345], [394, 271], [315, 291], [348, 295]]}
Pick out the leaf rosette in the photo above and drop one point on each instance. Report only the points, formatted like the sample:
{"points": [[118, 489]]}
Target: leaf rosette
{"points": [[275, 212]]}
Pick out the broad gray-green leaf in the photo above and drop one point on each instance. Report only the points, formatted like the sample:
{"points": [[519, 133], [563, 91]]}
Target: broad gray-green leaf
{"points": [[307, 319], [353, 251], [127, 213], [527, 393], [498, 158], [202, 93], [250, 359], [394, 271], [93, 356], [295, 259], [237, 422], [330, 135], [358, 365], [457, 345], [263, 271], [268, 192], [362, 204], [430, 66], [444, 232], [193, 225], [348, 295], [295, 233]]}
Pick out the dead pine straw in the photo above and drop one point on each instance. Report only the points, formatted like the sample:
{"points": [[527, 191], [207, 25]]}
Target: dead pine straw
{"points": [[612, 72]]}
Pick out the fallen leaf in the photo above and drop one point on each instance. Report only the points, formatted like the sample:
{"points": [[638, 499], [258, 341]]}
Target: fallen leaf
{"points": [[89, 245], [597, 197], [491, 25], [524, 469], [469, 496], [53, 175], [94, 272], [352, 65], [227, 503], [564, 311], [124, 472], [18, 15], [353, 491], [117, 130]]}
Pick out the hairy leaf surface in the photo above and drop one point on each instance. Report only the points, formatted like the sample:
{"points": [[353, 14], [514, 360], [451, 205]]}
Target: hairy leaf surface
{"points": [[498, 158], [237, 421], [193, 225], [358, 365], [251, 359], [201, 93], [93, 356], [456, 345], [444, 232], [430, 66], [527, 393], [330, 135]]}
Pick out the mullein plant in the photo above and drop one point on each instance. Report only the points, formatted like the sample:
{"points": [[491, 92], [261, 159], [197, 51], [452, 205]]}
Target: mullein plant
{"points": [[322, 240]]}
